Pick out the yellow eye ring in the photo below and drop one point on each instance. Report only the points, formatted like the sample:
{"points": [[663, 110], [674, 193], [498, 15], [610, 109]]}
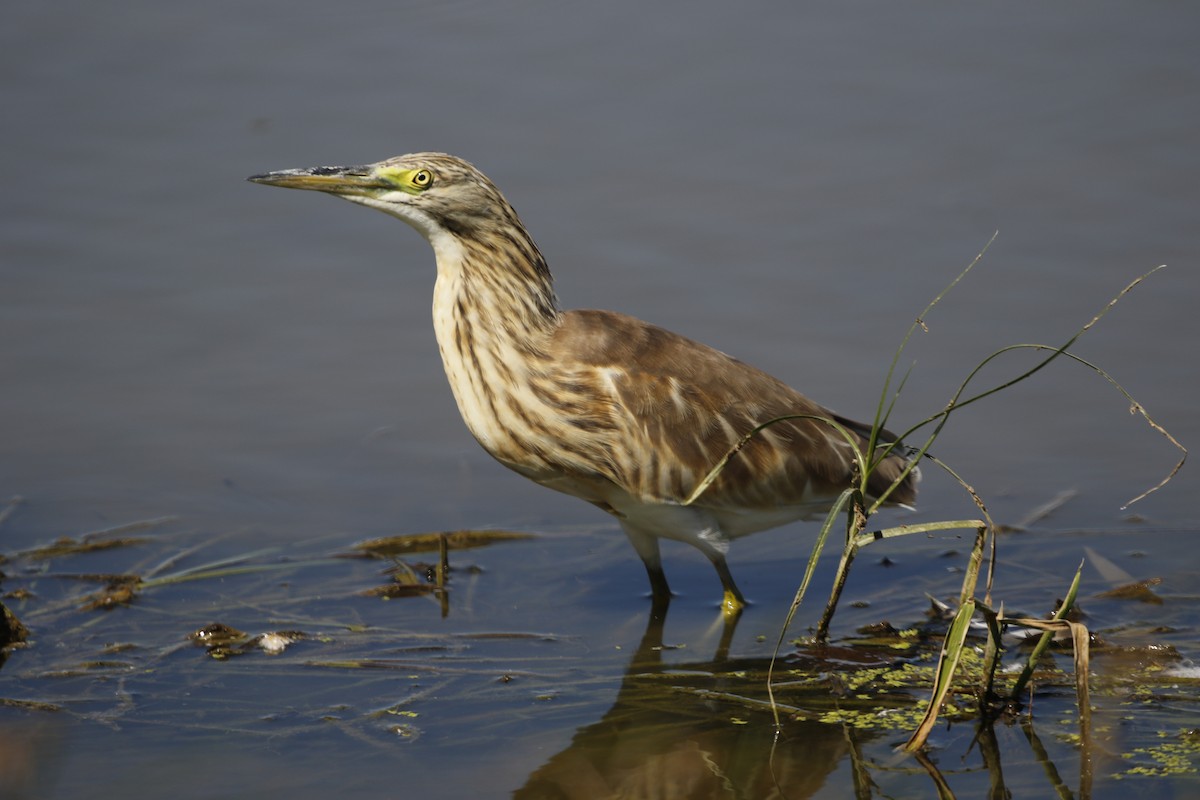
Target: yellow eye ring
{"points": [[422, 178]]}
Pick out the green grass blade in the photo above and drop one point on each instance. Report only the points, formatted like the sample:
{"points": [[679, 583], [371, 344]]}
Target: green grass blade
{"points": [[1134, 408], [948, 662], [1044, 641], [919, 322], [838, 506], [956, 402], [864, 539]]}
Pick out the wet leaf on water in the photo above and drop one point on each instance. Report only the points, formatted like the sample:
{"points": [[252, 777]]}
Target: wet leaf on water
{"points": [[117, 593], [224, 641], [67, 546], [11, 629], [216, 635], [540, 637], [389, 546], [30, 705], [404, 572], [102, 577], [100, 664], [395, 590], [406, 582], [1139, 591], [89, 669], [405, 732], [883, 628]]}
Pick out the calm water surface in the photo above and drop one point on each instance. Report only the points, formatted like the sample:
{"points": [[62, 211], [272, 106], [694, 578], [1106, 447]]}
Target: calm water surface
{"points": [[791, 186]]}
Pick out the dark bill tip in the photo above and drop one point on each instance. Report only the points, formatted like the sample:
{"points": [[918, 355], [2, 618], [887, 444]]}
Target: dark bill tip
{"points": [[326, 179]]}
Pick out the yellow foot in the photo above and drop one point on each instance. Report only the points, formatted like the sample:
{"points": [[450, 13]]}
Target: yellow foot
{"points": [[732, 604]]}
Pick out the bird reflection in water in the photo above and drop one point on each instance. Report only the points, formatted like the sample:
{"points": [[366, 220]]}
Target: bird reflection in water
{"points": [[666, 737]]}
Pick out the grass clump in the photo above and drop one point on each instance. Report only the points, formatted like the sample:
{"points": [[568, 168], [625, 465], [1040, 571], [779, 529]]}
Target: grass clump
{"points": [[855, 507]]}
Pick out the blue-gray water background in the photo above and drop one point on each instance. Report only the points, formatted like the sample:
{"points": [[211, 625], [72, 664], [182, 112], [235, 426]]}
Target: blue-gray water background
{"points": [[789, 184]]}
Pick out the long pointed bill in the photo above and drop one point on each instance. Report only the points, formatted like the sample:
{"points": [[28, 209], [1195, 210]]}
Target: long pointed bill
{"points": [[335, 180]]}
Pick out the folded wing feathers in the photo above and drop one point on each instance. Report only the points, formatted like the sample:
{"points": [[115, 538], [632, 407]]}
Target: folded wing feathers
{"points": [[684, 405]]}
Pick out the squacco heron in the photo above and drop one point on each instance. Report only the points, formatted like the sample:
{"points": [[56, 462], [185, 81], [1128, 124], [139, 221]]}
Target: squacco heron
{"points": [[602, 406]]}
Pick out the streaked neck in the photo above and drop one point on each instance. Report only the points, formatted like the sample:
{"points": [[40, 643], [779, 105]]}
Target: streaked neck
{"points": [[498, 287], [493, 309]]}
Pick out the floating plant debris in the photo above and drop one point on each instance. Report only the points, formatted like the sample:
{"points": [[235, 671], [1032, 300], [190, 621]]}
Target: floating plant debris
{"points": [[401, 544]]}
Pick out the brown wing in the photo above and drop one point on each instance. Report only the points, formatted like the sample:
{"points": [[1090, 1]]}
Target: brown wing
{"points": [[683, 405]]}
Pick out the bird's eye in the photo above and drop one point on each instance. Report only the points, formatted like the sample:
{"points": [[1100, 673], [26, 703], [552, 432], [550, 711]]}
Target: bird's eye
{"points": [[422, 178]]}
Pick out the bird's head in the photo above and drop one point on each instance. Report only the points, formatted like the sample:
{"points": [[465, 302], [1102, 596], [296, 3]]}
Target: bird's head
{"points": [[435, 193]]}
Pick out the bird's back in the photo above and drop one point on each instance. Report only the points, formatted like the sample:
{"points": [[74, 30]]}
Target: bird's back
{"points": [[670, 408]]}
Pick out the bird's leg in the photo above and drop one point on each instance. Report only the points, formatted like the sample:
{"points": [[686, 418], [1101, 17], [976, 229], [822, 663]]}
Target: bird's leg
{"points": [[733, 602], [646, 546]]}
